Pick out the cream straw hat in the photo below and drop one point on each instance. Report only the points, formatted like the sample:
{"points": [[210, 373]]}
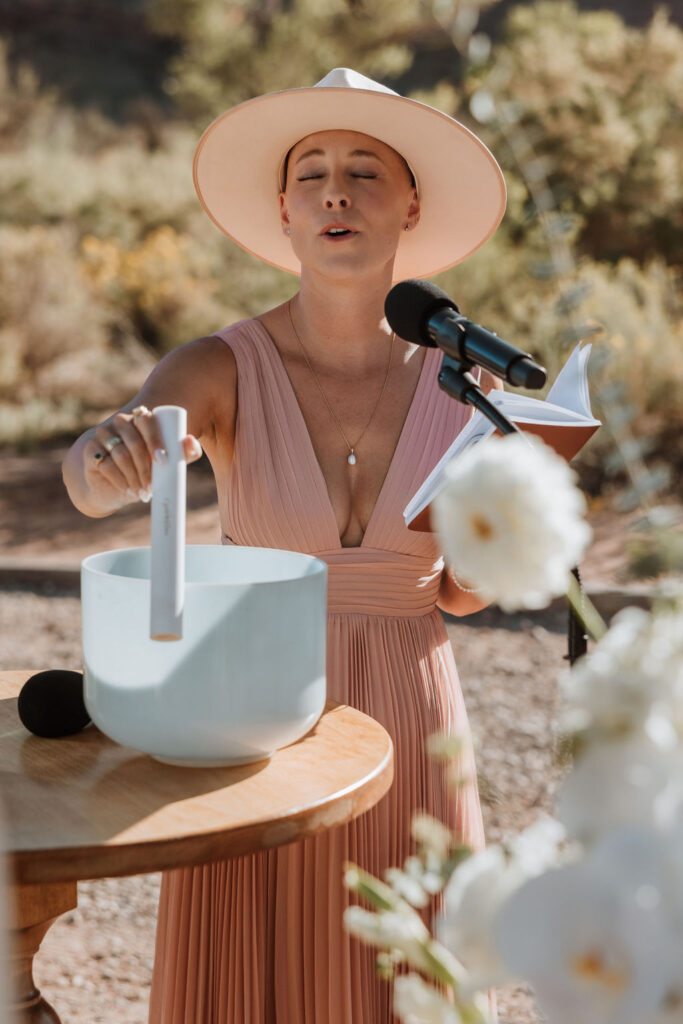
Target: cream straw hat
{"points": [[239, 160]]}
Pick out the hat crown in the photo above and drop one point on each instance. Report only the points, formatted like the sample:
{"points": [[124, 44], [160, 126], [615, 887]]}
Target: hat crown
{"points": [[347, 78]]}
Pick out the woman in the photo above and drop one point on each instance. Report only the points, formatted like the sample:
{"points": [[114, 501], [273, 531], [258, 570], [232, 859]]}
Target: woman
{"points": [[319, 424]]}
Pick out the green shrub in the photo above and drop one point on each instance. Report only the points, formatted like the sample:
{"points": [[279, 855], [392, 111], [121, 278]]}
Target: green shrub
{"points": [[107, 260], [600, 104], [231, 50], [61, 350]]}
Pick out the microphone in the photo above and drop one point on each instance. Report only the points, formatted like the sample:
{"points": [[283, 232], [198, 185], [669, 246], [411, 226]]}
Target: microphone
{"points": [[420, 312], [51, 704]]}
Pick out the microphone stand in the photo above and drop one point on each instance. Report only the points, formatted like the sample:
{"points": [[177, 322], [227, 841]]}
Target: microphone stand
{"points": [[457, 381]]}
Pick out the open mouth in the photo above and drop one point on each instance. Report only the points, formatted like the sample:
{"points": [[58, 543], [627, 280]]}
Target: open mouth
{"points": [[339, 231]]}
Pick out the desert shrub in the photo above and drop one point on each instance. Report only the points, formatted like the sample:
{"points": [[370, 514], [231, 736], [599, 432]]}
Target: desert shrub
{"points": [[120, 191], [600, 104], [175, 286], [107, 260], [61, 350], [25, 105], [231, 50], [165, 285], [47, 312]]}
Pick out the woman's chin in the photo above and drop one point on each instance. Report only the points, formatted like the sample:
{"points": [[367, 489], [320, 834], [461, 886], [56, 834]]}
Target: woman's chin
{"points": [[348, 266]]}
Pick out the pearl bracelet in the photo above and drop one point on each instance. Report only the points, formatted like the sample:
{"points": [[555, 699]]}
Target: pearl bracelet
{"points": [[461, 586]]}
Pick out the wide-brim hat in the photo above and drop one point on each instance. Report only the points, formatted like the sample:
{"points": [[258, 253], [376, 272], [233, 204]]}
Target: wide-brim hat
{"points": [[239, 161]]}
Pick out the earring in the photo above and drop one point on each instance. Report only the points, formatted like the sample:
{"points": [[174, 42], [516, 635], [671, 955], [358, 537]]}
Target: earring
{"points": [[288, 231], [407, 227]]}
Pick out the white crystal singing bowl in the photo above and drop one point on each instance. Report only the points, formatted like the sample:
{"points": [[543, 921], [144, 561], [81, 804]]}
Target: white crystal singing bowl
{"points": [[248, 675]]}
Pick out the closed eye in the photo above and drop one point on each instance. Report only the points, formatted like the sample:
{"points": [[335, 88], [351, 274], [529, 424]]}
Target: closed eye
{"points": [[312, 177]]}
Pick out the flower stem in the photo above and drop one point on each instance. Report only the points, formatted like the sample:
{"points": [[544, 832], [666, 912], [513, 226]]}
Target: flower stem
{"points": [[589, 615]]}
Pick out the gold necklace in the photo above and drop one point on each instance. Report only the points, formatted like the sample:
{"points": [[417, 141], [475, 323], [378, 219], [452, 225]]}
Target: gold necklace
{"points": [[351, 458]]}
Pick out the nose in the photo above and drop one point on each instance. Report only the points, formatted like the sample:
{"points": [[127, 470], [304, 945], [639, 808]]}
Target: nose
{"points": [[336, 201], [336, 195]]}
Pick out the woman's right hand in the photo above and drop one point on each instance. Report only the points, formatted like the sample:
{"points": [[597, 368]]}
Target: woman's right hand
{"points": [[119, 455]]}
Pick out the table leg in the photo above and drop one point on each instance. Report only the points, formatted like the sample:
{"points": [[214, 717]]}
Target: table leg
{"points": [[34, 908]]}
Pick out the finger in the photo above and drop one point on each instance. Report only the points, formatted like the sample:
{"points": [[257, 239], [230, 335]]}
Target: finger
{"points": [[129, 429], [99, 465], [118, 457], [150, 430], [192, 448]]}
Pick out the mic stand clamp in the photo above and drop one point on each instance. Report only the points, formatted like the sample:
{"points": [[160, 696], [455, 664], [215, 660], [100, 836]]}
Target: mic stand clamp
{"points": [[457, 381]]}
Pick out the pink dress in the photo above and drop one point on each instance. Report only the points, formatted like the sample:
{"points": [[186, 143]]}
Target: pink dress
{"points": [[260, 939]]}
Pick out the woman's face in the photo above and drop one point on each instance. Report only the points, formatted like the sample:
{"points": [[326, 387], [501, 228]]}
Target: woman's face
{"points": [[347, 200]]}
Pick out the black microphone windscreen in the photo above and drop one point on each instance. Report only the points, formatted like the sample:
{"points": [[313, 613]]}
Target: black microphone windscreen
{"points": [[51, 703], [410, 304]]}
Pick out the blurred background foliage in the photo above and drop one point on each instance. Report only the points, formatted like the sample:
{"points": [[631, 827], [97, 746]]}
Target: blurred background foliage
{"points": [[107, 261]]}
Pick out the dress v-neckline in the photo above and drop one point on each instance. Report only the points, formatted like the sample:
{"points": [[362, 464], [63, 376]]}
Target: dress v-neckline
{"points": [[312, 454]]}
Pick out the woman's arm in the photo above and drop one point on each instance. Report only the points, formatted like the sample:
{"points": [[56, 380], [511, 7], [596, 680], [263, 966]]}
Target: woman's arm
{"points": [[202, 378], [453, 599]]}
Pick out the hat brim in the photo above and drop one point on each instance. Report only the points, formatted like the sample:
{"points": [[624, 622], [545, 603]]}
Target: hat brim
{"points": [[461, 187]]}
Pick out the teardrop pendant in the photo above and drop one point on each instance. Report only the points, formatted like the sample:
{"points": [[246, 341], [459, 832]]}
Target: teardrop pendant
{"points": [[351, 459]]}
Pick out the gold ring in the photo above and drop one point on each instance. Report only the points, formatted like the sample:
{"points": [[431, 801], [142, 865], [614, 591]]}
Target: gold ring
{"points": [[112, 442], [139, 410]]}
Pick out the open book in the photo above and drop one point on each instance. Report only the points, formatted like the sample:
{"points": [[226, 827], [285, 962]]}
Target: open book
{"points": [[564, 421]]}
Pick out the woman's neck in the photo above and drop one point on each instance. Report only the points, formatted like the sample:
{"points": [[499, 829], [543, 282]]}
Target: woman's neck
{"points": [[342, 319]]}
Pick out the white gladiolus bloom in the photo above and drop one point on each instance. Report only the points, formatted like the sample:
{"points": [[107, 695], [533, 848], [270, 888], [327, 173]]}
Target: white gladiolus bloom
{"points": [[615, 784], [390, 929], [537, 846], [431, 833], [429, 876], [632, 682], [510, 521], [475, 893], [596, 939], [407, 886], [415, 1002], [477, 890]]}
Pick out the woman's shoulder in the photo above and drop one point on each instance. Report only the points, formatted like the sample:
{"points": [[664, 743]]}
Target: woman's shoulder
{"points": [[225, 348], [204, 352]]}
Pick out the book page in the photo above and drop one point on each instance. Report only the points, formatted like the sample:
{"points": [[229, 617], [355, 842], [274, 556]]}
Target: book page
{"points": [[570, 389], [567, 405]]}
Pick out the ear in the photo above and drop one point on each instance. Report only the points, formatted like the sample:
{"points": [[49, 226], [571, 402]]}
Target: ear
{"points": [[284, 214], [414, 208]]}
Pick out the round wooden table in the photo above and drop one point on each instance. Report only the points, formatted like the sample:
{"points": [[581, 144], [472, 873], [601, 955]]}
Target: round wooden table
{"points": [[85, 807]]}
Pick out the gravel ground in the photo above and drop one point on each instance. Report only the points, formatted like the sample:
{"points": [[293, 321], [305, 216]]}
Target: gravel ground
{"points": [[95, 963]]}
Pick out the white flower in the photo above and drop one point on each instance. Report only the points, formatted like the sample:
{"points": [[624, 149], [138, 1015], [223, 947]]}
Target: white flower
{"points": [[402, 930], [404, 933], [432, 834], [538, 845], [415, 1002], [427, 874], [615, 784], [408, 886], [596, 939], [476, 892], [632, 681], [510, 520]]}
